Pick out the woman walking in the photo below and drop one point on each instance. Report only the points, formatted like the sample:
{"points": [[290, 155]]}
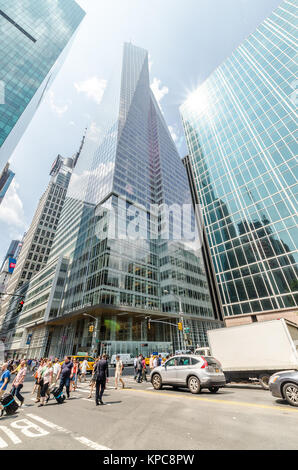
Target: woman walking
{"points": [[18, 382], [46, 376], [93, 378], [74, 380]]}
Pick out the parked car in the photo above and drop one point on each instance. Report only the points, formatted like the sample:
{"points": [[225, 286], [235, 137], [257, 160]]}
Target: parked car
{"points": [[194, 372], [285, 385]]}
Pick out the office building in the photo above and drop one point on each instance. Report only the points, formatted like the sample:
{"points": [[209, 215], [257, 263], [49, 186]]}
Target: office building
{"points": [[116, 258], [6, 178], [34, 39], [240, 128], [38, 240]]}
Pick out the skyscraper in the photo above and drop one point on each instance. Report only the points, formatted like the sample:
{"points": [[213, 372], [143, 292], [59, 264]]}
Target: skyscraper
{"points": [[34, 36], [38, 239], [118, 257], [240, 126], [6, 178]]}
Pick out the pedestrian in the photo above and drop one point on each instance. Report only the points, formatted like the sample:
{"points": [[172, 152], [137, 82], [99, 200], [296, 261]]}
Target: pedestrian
{"points": [[151, 362], [155, 362], [159, 360], [56, 369], [93, 378], [18, 382], [74, 380], [139, 368], [38, 380], [144, 370], [118, 372], [84, 366], [101, 371], [47, 375], [135, 362], [65, 373], [5, 377]]}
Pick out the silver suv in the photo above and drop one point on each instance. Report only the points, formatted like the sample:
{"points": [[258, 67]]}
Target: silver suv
{"points": [[192, 371]]}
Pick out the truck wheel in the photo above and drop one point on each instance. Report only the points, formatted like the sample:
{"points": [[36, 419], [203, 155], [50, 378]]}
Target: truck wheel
{"points": [[290, 392], [156, 382], [213, 389], [264, 381], [194, 384]]}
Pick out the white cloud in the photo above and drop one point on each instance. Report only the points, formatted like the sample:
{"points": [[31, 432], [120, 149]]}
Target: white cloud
{"points": [[158, 90], [54, 106], [93, 87], [11, 208], [173, 134]]}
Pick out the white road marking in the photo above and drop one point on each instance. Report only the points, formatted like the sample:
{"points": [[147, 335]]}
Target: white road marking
{"points": [[48, 423], [25, 425], [83, 440], [88, 443], [2, 443], [10, 434]]}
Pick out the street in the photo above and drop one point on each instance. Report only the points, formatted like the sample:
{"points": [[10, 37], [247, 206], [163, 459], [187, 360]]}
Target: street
{"points": [[138, 417]]}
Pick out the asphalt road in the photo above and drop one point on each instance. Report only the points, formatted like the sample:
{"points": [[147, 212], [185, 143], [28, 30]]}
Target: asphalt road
{"points": [[138, 417]]}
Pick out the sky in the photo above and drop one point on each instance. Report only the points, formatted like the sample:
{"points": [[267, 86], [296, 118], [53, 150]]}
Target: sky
{"points": [[186, 40]]}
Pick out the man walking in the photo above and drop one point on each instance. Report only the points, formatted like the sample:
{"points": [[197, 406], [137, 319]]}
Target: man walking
{"points": [[101, 372], [140, 368], [65, 373], [5, 378], [56, 370]]}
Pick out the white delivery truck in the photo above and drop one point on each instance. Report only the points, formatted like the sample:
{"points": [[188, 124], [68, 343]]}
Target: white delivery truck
{"points": [[255, 351]]}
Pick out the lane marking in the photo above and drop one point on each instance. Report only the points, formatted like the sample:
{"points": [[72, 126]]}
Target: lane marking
{"points": [[48, 423], [214, 400], [83, 440], [11, 434], [3, 443], [88, 443]]}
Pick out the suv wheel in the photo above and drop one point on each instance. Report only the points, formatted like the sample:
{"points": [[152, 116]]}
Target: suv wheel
{"points": [[156, 382], [194, 384], [213, 389], [290, 392]]}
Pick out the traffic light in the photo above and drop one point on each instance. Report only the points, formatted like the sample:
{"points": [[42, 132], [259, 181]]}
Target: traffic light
{"points": [[20, 306], [91, 328], [148, 323], [180, 326]]}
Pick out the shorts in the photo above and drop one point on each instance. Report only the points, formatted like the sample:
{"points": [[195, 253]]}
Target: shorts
{"points": [[75, 378]]}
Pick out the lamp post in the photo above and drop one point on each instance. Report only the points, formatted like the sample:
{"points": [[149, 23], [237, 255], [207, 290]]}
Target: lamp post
{"points": [[180, 314], [93, 344]]}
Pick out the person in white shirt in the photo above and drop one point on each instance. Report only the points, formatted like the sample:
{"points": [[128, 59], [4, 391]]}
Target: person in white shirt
{"points": [[47, 376], [155, 362], [84, 369], [118, 372], [56, 370]]}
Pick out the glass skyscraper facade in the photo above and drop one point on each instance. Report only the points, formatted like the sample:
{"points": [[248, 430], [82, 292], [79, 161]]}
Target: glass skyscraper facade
{"points": [[128, 163], [240, 126], [34, 35]]}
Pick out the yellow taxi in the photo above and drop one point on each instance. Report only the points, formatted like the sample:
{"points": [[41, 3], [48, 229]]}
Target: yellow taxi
{"points": [[90, 361], [163, 358]]}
